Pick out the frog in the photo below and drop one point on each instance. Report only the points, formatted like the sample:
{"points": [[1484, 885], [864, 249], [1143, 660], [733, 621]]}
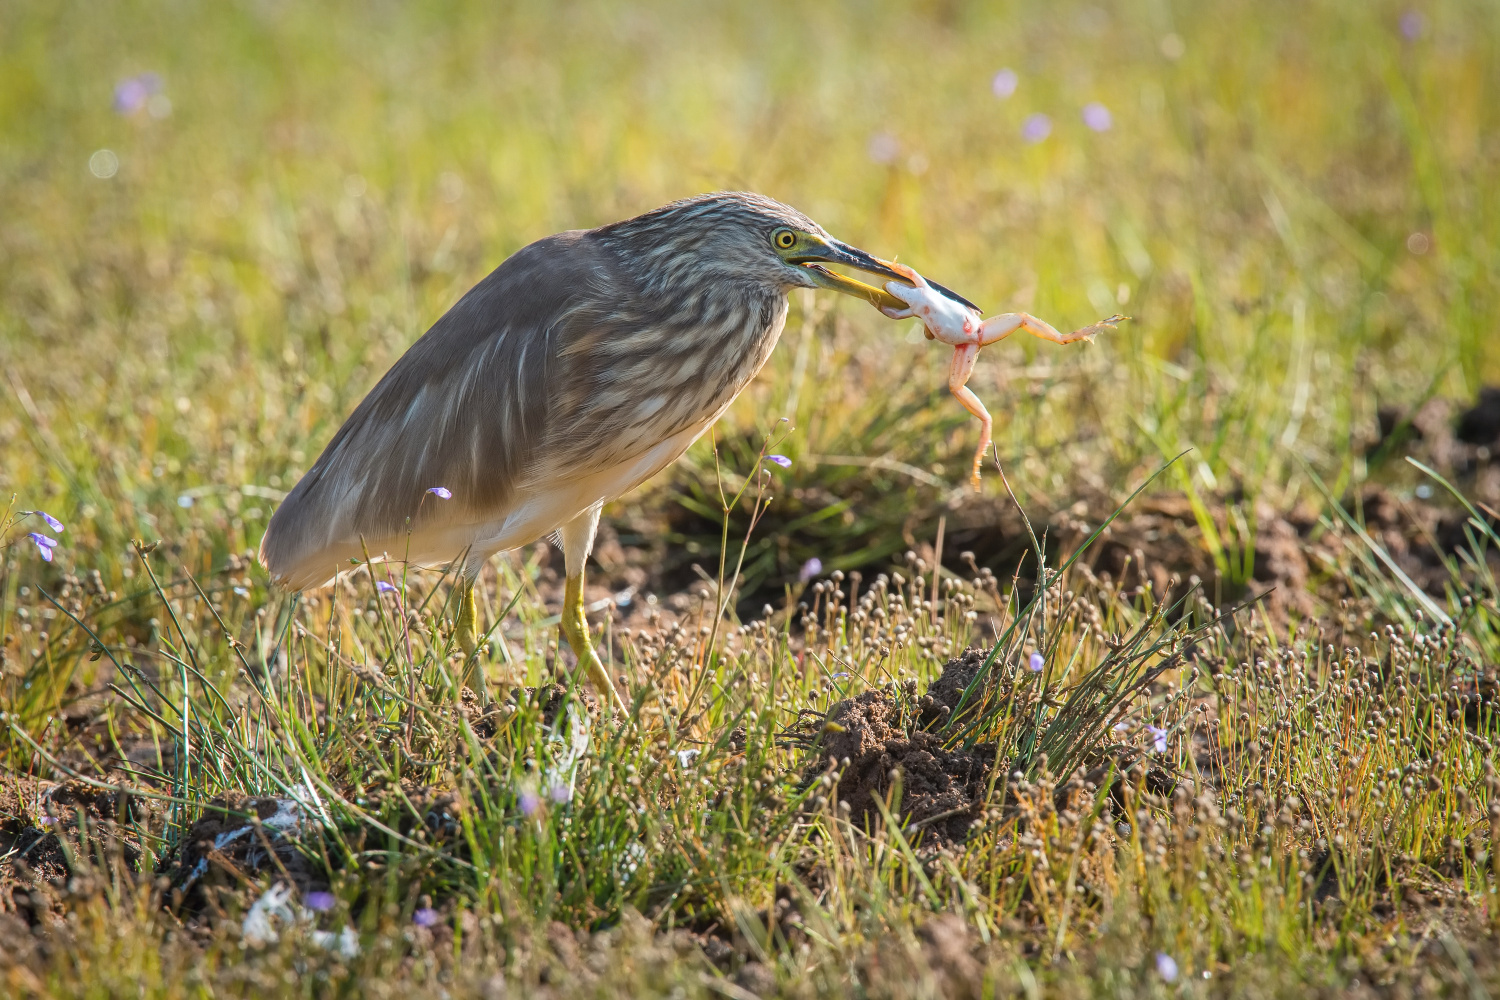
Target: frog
{"points": [[951, 320]]}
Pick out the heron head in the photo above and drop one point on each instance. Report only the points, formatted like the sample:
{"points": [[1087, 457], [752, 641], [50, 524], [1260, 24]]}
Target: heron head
{"points": [[738, 236]]}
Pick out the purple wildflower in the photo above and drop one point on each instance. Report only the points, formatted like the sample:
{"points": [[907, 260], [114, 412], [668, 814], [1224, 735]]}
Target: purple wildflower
{"points": [[530, 803], [781, 460], [320, 902], [1004, 83], [425, 917], [385, 587], [884, 148], [1036, 663], [1036, 127], [133, 93], [441, 492], [1166, 966], [810, 569], [1097, 117], [1158, 738], [44, 544], [1412, 25], [841, 675], [52, 522], [560, 793]]}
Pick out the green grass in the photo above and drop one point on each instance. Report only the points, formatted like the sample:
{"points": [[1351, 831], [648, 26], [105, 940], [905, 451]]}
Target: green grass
{"points": [[178, 340]]}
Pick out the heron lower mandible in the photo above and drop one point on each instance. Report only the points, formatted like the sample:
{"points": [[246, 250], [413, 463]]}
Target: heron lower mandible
{"points": [[579, 368]]}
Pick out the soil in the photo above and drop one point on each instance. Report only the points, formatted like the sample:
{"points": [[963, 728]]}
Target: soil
{"points": [[227, 848], [946, 694], [1158, 541], [949, 950], [553, 698], [37, 863], [1480, 424], [550, 699], [942, 789], [240, 840], [1419, 535], [224, 848]]}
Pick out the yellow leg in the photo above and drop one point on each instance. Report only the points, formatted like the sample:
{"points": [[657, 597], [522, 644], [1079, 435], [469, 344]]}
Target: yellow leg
{"points": [[575, 628], [466, 634]]}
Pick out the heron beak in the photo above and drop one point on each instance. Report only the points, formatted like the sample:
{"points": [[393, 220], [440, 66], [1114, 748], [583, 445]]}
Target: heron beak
{"points": [[835, 252]]}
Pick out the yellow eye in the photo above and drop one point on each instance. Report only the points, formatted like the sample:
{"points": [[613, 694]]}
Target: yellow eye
{"points": [[785, 239]]}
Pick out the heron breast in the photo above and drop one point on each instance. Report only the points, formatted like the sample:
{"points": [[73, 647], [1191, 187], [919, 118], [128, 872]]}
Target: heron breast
{"points": [[678, 383]]}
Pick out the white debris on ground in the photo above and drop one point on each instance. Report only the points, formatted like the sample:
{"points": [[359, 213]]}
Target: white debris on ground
{"points": [[575, 744], [274, 909], [345, 942], [287, 816], [259, 927], [290, 815]]}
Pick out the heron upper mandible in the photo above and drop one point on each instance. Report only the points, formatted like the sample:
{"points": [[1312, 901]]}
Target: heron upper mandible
{"points": [[579, 368]]}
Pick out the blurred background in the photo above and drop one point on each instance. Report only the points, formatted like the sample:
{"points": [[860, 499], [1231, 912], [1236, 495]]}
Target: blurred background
{"points": [[220, 223]]}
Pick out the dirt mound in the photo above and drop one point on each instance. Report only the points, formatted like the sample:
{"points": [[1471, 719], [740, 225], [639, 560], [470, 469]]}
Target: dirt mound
{"points": [[1154, 539], [868, 722], [548, 700], [1463, 446], [553, 698], [946, 694], [942, 789], [1480, 424], [1421, 536], [241, 839], [70, 828], [238, 838]]}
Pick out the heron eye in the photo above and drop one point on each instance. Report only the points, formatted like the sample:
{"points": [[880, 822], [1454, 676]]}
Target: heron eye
{"points": [[785, 239]]}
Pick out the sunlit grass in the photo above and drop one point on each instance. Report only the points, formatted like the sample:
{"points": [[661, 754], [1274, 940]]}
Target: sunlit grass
{"points": [[1294, 202]]}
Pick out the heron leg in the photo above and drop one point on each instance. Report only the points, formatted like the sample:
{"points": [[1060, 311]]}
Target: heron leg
{"points": [[466, 635], [578, 540]]}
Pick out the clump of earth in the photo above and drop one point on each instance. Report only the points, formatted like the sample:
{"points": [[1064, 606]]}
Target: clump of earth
{"points": [[70, 829], [239, 837], [943, 789]]}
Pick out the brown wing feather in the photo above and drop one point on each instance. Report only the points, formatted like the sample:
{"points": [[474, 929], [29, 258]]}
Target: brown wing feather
{"points": [[465, 408]]}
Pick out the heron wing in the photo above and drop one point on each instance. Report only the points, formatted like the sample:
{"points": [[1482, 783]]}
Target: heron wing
{"points": [[466, 408]]}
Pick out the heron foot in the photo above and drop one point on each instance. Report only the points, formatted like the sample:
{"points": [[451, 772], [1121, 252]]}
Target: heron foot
{"points": [[575, 628], [466, 635]]}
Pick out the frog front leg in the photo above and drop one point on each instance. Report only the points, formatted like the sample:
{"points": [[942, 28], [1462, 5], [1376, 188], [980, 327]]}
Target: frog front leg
{"points": [[964, 357]]}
